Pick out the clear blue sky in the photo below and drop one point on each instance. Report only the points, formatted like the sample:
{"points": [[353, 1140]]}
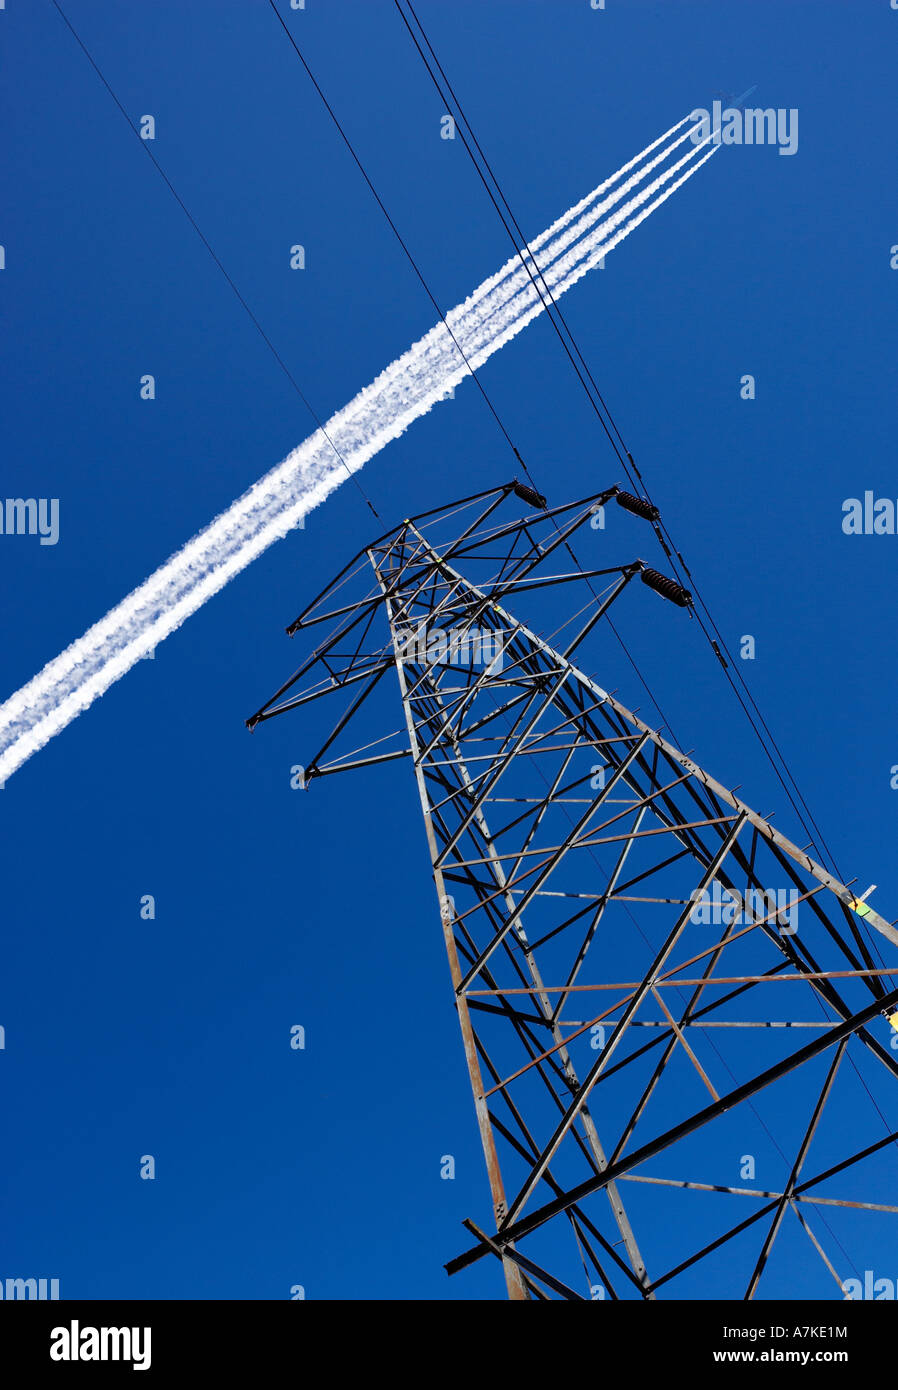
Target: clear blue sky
{"points": [[171, 1037]]}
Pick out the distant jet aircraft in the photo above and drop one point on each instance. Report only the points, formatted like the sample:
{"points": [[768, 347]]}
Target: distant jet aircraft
{"points": [[736, 102]]}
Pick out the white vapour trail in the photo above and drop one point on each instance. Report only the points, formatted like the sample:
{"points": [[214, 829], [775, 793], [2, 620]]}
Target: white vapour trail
{"points": [[498, 310], [562, 234], [576, 210], [567, 223], [518, 294]]}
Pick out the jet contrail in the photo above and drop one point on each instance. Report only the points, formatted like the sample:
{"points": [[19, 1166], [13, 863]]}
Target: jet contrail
{"points": [[521, 301], [499, 309]]}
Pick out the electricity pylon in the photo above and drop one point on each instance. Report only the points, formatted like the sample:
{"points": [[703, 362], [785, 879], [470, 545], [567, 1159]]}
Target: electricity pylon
{"points": [[639, 960]]}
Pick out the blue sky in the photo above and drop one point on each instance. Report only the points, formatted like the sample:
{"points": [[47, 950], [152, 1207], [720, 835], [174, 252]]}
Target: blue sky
{"points": [[171, 1037]]}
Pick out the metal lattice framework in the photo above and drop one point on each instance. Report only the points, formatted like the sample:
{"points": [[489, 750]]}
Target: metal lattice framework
{"points": [[634, 952]]}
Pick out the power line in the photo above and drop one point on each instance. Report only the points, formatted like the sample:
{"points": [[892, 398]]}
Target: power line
{"points": [[195, 225], [420, 275], [609, 425], [540, 285], [587, 381], [623, 454], [395, 230]]}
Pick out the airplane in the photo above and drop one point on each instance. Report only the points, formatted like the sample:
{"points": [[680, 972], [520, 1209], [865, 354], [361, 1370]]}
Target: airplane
{"points": [[736, 103]]}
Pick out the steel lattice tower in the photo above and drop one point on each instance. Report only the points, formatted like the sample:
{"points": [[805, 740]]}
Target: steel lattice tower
{"points": [[635, 954]]}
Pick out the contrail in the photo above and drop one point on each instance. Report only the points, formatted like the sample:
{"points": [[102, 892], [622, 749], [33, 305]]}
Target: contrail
{"points": [[564, 222], [520, 300], [499, 309]]}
